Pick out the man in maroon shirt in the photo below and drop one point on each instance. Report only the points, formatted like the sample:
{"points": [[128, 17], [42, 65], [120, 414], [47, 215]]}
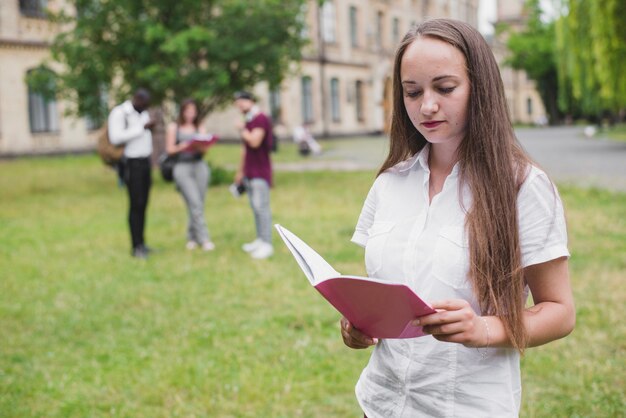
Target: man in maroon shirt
{"points": [[255, 171]]}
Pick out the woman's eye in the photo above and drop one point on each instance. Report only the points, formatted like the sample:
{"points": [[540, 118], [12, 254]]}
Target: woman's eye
{"points": [[412, 93], [446, 90]]}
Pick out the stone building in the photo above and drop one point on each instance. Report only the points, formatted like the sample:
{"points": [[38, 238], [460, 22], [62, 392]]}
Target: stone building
{"points": [[525, 104], [341, 86], [28, 123]]}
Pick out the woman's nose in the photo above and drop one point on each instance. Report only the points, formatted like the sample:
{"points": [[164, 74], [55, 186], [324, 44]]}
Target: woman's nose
{"points": [[429, 104]]}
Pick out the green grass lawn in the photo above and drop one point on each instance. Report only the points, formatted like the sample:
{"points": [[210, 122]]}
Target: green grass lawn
{"points": [[617, 132], [88, 331], [371, 148]]}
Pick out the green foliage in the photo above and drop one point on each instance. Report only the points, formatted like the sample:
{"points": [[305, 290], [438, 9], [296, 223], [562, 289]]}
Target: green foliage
{"points": [[43, 80], [87, 331], [618, 133], [591, 53], [185, 48], [532, 50], [576, 60], [221, 175]]}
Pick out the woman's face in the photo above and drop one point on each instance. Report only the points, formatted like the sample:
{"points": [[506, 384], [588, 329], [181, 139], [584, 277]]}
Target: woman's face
{"points": [[436, 90], [190, 113]]}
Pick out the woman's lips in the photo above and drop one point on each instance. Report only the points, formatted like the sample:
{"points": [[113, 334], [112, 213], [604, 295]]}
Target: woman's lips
{"points": [[432, 124]]}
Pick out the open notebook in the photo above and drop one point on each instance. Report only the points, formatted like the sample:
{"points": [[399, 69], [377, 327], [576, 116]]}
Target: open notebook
{"points": [[201, 142], [378, 308]]}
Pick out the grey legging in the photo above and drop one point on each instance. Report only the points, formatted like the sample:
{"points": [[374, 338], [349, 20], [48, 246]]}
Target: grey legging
{"points": [[192, 179], [259, 194]]}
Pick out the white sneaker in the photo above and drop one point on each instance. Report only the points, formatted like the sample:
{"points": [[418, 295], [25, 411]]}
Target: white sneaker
{"points": [[264, 250], [251, 246], [191, 245], [208, 246]]}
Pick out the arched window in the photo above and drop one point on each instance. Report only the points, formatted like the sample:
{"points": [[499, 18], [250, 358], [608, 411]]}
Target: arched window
{"points": [[354, 27], [396, 31], [328, 22], [334, 99], [96, 121], [33, 8], [275, 105], [43, 114], [380, 30], [307, 100], [359, 100]]}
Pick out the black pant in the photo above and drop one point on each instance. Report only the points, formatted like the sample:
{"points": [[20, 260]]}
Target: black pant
{"points": [[138, 176]]}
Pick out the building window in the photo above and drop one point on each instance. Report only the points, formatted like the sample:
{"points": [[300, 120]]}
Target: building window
{"points": [[425, 9], [396, 30], [334, 99], [529, 106], [301, 18], [275, 105], [33, 8], [96, 121], [307, 100], [354, 28], [43, 115], [379, 29], [358, 87], [92, 124], [328, 22]]}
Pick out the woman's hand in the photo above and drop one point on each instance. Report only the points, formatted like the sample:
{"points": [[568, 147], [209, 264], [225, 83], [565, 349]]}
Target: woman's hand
{"points": [[181, 147], [238, 177], [456, 322], [354, 338]]}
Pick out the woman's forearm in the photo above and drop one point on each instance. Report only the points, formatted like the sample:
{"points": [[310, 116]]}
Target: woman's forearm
{"points": [[544, 322]]}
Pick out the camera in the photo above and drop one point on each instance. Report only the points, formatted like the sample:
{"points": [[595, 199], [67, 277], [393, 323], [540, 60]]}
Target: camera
{"points": [[237, 189]]}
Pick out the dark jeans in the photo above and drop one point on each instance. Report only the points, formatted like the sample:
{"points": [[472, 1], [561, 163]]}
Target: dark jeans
{"points": [[138, 176]]}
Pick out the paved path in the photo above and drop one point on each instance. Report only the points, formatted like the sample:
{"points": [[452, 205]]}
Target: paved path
{"points": [[563, 152], [569, 157]]}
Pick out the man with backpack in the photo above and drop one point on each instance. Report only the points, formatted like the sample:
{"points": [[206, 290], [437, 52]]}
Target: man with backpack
{"points": [[129, 124]]}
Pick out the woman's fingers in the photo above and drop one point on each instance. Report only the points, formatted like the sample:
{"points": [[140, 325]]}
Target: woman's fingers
{"points": [[455, 321], [451, 328], [448, 311], [354, 338]]}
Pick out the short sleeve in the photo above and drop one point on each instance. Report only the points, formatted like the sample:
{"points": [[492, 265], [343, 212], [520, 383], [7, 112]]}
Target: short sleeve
{"points": [[366, 219], [542, 226], [263, 122]]}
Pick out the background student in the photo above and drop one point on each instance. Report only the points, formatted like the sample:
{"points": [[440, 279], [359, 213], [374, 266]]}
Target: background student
{"points": [[255, 171], [191, 172], [129, 123]]}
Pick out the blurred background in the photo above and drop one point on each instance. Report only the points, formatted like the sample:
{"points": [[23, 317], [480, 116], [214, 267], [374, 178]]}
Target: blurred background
{"points": [[323, 64]]}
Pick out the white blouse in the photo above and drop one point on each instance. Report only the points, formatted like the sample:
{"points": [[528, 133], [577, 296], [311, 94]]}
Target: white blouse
{"points": [[425, 246]]}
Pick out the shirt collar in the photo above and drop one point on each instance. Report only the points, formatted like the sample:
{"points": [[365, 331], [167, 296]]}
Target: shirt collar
{"points": [[254, 110], [422, 157], [129, 108]]}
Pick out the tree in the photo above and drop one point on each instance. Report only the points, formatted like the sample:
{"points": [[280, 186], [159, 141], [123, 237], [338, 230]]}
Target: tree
{"points": [[204, 49], [533, 51], [591, 52]]}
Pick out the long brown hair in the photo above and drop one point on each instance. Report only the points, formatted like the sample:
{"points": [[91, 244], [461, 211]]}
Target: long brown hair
{"points": [[491, 163], [181, 112]]}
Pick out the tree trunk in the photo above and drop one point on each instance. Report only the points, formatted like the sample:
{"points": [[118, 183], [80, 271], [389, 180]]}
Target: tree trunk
{"points": [[548, 90], [158, 134]]}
